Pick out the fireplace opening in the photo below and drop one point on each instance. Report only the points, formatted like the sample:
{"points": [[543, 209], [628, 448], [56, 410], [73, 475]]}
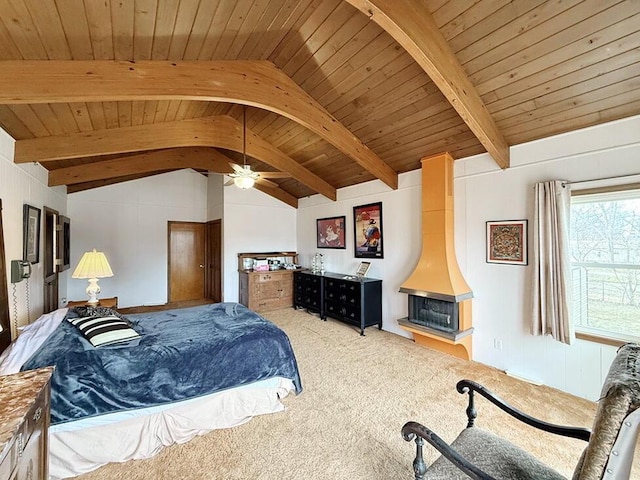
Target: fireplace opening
{"points": [[434, 313]]}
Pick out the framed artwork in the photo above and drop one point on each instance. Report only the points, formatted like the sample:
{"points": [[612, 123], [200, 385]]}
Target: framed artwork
{"points": [[507, 242], [367, 224], [330, 232], [363, 269], [31, 234]]}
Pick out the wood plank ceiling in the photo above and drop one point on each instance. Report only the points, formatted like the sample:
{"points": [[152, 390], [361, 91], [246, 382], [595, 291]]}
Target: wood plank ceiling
{"points": [[527, 68]]}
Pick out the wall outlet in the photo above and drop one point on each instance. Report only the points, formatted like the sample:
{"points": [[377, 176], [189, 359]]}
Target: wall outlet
{"points": [[497, 343], [63, 300]]}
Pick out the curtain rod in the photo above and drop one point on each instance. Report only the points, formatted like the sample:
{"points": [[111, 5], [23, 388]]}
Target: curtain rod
{"points": [[602, 179]]}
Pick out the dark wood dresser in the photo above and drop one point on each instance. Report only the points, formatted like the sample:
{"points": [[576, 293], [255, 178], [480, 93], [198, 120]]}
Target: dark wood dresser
{"points": [[352, 299], [24, 423]]}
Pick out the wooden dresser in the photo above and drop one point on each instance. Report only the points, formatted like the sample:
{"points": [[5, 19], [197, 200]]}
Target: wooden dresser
{"points": [[24, 423], [269, 289]]}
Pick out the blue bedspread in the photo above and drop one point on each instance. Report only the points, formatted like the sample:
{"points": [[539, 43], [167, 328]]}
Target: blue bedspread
{"points": [[183, 353]]}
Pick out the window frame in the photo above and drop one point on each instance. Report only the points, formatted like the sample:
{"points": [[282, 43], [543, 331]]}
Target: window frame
{"points": [[593, 188]]}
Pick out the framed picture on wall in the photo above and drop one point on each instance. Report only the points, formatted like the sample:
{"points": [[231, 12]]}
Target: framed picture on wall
{"points": [[31, 234], [507, 242], [367, 224], [330, 232]]}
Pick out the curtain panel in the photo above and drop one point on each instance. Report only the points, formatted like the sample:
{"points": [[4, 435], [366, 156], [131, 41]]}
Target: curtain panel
{"points": [[551, 262]]}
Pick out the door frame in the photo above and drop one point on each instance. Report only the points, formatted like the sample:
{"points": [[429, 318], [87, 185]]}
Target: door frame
{"points": [[50, 270], [210, 254]]}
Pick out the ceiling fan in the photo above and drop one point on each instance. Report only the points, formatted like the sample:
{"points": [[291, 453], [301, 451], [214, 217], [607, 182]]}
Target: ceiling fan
{"points": [[242, 176]]}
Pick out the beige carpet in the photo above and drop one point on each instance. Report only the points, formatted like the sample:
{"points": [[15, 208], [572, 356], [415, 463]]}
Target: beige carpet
{"points": [[358, 393]]}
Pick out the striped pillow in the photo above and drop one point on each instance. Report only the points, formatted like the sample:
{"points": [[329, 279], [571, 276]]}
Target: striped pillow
{"points": [[104, 331]]}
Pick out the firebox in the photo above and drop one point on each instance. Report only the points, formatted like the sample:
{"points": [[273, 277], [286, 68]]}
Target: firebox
{"points": [[434, 313]]}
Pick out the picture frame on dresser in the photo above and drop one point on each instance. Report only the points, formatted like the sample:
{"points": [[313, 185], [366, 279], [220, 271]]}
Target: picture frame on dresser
{"points": [[363, 269], [330, 232], [368, 233]]}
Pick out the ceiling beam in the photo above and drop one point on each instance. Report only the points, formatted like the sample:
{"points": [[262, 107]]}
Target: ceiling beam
{"points": [[219, 131], [279, 194], [411, 25], [255, 83], [109, 172], [200, 158]]}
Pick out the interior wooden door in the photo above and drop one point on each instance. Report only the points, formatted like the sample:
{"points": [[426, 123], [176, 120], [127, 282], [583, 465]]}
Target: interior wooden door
{"points": [[186, 261], [50, 301], [214, 260], [5, 322]]}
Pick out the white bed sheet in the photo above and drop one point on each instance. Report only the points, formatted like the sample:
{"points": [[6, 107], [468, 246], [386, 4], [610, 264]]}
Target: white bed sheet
{"points": [[82, 446]]}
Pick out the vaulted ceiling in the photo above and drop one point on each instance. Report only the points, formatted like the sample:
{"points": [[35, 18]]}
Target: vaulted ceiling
{"points": [[335, 92]]}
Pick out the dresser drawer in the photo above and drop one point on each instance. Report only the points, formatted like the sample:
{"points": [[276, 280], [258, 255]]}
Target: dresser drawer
{"points": [[342, 286], [343, 296], [343, 311], [36, 417]]}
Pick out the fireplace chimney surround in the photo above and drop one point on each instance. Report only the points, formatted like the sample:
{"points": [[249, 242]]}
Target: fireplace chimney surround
{"points": [[439, 297]]}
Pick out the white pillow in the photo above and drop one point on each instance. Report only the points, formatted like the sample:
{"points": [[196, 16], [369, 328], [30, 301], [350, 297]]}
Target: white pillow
{"points": [[29, 341]]}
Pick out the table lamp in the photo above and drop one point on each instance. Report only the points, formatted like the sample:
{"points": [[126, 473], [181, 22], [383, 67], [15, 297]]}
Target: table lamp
{"points": [[93, 265]]}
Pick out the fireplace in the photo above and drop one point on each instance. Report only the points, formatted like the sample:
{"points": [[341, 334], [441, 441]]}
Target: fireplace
{"points": [[433, 313], [439, 313]]}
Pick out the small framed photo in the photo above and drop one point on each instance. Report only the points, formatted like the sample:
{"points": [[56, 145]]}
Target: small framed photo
{"points": [[330, 232], [363, 269], [507, 242], [367, 224], [31, 234]]}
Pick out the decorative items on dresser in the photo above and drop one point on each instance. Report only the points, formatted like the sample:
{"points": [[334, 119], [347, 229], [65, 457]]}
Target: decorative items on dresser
{"points": [[24, 423], [353, 299], [266, 280]]}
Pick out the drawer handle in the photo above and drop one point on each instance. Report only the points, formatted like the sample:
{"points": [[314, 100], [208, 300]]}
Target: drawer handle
{"points": [[37, 414]]}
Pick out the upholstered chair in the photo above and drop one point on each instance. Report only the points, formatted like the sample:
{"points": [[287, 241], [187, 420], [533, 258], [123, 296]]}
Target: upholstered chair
{"points": [[480, 454]]}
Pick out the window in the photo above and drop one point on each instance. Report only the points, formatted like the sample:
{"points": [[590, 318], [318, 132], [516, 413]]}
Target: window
{"points": [[605, 260]]}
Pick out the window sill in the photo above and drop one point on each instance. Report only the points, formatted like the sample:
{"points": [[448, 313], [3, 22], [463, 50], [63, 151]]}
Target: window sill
{"points": [[603, 339]]}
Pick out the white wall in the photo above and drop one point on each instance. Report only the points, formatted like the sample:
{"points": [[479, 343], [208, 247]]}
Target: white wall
{"points": [[253, 222], [215, 196], [128, 222], [20, 184], [502, 292]]}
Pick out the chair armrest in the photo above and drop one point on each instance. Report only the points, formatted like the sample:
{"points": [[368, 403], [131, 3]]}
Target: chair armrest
{"points": [[414, 430], [468, 386]]}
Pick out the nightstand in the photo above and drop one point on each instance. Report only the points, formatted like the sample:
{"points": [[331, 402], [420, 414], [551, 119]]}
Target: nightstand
{"points": [[103, 302], [24, 422]]}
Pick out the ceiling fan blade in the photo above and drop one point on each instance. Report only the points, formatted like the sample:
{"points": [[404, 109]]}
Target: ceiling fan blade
{"points": [[275, 174], [267, 183], [237, 168], [229, 183]]}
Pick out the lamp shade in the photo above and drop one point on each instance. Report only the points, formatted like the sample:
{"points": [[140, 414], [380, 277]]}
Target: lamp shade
{"points": [[244, 182], [93, 265]]}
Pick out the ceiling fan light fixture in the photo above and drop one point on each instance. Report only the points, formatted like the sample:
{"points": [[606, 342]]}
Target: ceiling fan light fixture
{"points": [[244, 183]]}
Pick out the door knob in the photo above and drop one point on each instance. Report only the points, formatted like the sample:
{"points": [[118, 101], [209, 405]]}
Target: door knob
{"points": [[201, 266]]}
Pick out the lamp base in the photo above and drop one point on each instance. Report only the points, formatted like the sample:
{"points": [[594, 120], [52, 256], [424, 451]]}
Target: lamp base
{"points": [[93, 290]]}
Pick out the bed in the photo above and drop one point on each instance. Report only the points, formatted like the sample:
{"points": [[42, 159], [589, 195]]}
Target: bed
{"points": [[190, 371]]}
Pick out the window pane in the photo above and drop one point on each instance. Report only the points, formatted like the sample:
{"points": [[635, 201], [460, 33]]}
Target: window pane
{"points": [[605, 250]]}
